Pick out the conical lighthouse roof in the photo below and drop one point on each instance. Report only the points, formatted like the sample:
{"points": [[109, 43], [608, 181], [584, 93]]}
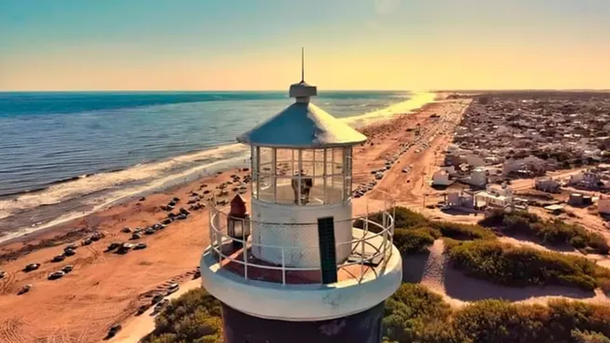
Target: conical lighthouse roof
{"points": [[302, 125]]}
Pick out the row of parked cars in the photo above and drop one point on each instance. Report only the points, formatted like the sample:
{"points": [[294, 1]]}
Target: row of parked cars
{"points": [[158, 300]]}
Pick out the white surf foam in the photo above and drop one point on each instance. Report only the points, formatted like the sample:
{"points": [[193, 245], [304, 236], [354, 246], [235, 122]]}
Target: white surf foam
{"points": [[97, 182]]}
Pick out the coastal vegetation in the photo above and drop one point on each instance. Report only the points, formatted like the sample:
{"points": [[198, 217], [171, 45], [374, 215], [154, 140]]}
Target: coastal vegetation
{"points": [[414, 241], [519, 266], [414, 233], [193, 317], [414, 314], [548, 231]]}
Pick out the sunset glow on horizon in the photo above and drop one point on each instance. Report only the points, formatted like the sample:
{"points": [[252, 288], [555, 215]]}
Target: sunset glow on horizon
{"points": [[255, 45]]}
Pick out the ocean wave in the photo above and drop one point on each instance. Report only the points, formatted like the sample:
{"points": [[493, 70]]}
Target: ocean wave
{"points": [[63, 190]]}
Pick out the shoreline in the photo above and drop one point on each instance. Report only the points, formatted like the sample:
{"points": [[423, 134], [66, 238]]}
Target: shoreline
{"points": [[106, 288], [21, 223]]}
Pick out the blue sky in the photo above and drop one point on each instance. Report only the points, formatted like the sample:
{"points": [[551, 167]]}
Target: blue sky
{"points": [[255, 44]]}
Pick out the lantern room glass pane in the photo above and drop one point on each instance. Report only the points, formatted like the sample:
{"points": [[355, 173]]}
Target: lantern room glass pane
{"points": [[334, 189], [285, 192], [307, 168], [315, 194], [284, 162], [265, 188], [265, 160]]}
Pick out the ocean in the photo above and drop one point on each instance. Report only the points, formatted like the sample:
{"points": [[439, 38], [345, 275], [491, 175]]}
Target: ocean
{"points": [[65, 154]]}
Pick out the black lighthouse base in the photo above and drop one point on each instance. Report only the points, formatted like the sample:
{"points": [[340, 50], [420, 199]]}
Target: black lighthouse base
{"points": [[363, 327]]}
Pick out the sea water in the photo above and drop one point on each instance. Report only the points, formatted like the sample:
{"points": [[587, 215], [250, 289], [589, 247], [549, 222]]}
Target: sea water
{"points": [[64, 154]]}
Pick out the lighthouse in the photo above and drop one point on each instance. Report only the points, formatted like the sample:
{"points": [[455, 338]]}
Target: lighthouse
{"points": [[295, 264]]}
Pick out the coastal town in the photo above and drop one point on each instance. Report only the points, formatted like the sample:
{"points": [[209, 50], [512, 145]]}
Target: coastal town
{"points": [[459, 159], [548, 150]]}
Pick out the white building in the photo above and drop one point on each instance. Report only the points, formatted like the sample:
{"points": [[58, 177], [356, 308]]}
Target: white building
{"points": [[494, 196], [586, 179], [441, 178], [460, 200], [478, 178], [547, 184], [306, 274]]}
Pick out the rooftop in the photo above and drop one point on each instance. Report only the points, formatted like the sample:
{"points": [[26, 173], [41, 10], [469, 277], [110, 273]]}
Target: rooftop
{"points": [[302, 125]]}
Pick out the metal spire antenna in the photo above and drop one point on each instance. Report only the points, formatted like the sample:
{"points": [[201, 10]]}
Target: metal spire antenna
{"points": [[302, 64]]}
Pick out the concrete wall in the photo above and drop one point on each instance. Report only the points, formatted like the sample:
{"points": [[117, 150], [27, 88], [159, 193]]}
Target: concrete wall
{"points": [[300, 302], [363, 327], [303, 237]]}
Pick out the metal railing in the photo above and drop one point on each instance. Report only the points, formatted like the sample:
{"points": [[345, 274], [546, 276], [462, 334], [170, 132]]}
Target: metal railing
{"points": [[370, 247]]}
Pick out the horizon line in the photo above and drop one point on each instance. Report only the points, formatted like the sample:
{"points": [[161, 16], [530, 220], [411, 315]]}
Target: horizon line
{"points": [[326, 90]]}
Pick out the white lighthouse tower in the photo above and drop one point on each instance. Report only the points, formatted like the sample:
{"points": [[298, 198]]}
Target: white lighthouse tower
{"points": [[300, 268]]}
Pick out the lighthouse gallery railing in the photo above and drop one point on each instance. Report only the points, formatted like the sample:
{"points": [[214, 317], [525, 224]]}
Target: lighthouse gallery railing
{"points": [[371, 248]]}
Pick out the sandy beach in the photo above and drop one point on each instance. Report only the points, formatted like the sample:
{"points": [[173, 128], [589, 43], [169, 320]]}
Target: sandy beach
{"points": [[107, 288]]}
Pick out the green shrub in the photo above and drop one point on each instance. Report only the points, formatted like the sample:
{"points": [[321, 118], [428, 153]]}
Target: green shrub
{"points": [[414, 314], [411, 311], [405, 218], [463, 231], [552, 231], [193, 317], [506, 264], [500, 321], [411, 220], [413, 241]]}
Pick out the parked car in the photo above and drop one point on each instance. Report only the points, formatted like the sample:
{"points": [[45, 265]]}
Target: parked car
{"points": [[71, 247], [135, 236], [161, 305], [125, 248], [156, 298], [24, 289], [113, 246], [114, 330], [67, 269], [58, 258], [69, 252], [140, 246], [142, 309], [173, 287], [30, 267], [56, 275]]}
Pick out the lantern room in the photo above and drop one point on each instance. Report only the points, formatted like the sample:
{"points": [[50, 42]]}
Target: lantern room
{"points": [[301, 171]]}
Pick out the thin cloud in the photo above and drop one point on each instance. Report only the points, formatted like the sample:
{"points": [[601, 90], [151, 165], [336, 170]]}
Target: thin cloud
{"points": [[386, 6]]}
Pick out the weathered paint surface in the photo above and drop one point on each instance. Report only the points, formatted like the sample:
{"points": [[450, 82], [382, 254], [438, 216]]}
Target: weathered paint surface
{"points": [[363, 327]]}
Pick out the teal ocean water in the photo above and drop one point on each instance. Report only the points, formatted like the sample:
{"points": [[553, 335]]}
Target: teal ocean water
{"points": [[97, 146]]}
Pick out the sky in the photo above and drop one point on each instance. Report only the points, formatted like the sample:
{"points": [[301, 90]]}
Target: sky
{"points": [[349, 44]]}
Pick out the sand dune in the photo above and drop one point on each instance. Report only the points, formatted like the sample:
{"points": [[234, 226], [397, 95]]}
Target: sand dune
{"points": [[434, 271]]}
